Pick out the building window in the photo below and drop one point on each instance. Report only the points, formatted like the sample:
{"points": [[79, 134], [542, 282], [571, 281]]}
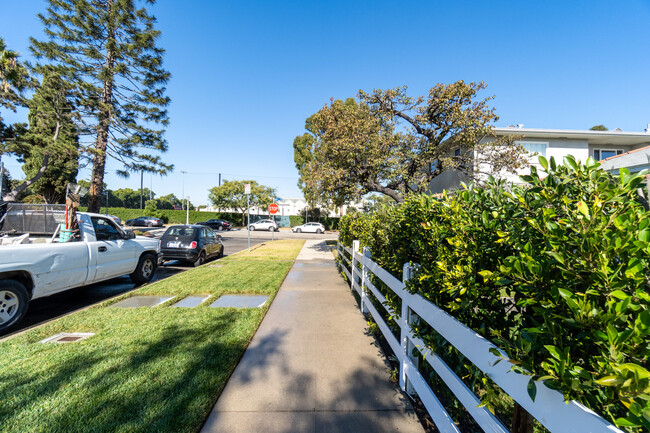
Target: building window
{"points": [[457, 152], [535, 149], [600, 154]]}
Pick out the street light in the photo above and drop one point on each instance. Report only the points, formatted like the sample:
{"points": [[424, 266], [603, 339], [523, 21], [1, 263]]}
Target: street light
{"points": [[183, 194]]}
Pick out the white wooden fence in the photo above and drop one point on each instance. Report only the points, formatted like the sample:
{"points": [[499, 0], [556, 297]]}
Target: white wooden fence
{"points": [[549, 407]]}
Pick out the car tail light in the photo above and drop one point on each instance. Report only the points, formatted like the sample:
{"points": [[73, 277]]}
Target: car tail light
{"points": [[193, 244]]}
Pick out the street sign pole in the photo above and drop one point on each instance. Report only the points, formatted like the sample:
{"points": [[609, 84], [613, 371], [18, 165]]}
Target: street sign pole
{"points": [[247, 190], [273, 209]]}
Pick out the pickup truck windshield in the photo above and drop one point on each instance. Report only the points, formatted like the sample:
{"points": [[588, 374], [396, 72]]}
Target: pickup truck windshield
{"points": [[105, 230]]}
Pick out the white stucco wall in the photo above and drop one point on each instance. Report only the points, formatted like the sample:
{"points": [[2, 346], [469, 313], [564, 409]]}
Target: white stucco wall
{"points": [[448, 180], [556, 148]]}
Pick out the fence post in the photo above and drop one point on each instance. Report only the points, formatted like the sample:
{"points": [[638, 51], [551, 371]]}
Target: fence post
{"points": [[364, 279], [355, 250], [406, 318]]}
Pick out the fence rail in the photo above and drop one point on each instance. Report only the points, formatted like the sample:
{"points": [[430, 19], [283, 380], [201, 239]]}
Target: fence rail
{"points": [[549, 407]]}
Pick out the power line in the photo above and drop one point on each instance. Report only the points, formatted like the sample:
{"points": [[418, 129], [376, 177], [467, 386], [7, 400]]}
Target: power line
{"points": [[240, 175]]}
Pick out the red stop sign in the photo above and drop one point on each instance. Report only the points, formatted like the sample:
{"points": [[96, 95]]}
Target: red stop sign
{"points": [[274, 208]]}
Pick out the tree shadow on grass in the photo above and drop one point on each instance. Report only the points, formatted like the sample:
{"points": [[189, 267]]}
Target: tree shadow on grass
{"points": [[169, 381]]}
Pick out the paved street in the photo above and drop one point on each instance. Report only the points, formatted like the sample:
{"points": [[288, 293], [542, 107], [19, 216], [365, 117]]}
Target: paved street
{"points": [[44, 309]]}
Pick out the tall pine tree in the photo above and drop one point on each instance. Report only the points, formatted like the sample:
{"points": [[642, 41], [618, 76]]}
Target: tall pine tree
{"points": [[14, 79], [57, 161], [107, 49]]}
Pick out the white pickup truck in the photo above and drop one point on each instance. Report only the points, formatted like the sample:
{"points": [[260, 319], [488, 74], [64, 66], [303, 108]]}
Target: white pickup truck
{"points": [[101, 251]]}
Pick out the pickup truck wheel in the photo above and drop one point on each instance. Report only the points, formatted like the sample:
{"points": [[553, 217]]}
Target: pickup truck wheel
{"points": [[13, 303], [145, 270], [200, 260]]}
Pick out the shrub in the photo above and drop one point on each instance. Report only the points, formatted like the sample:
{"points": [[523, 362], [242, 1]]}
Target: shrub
{"points": [[554, 272], [150, 209], [295, 220]]}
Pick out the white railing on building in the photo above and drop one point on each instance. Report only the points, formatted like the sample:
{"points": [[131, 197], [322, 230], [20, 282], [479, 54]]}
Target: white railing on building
{"points": [[549, 407]]}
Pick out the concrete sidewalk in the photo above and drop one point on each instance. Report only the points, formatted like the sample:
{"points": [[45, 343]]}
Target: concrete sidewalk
{"points": [[310, 367]]}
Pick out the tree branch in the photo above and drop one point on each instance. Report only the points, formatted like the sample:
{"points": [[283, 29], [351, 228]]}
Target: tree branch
{"points": [[11, 196]]}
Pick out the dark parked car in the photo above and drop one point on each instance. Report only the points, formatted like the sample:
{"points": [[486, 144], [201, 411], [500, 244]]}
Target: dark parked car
{"points": [[216, 224], [145, 221], [191, 243]]}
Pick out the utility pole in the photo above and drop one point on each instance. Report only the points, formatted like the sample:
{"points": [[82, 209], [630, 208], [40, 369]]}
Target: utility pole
{"points": [[187, 215], [219, 179], [183, 194]]}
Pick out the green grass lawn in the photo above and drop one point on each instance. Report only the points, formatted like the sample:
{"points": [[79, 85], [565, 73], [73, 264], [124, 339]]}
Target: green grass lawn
{"points": [[146, 369]]}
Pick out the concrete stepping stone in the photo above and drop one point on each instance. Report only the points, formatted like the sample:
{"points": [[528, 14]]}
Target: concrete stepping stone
{"points": [[191, 301], [240, 301], [67, 337], [142, 301]]}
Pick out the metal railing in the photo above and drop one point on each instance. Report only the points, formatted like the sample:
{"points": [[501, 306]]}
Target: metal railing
{"points": [[37, 219]]}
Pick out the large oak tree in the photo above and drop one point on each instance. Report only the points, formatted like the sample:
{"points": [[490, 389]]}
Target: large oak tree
{"points": [[395, 144], [107, 49]]}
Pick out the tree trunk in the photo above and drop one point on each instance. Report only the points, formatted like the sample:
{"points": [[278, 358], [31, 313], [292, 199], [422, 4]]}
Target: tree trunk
{"points": [[105, 115], [522, 421]]}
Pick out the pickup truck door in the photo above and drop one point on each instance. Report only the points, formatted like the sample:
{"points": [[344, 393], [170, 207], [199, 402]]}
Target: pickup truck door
{"points": [[115, 255]]}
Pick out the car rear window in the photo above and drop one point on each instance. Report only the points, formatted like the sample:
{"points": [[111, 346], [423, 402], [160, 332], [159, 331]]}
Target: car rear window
{"points": [[184, 232]]}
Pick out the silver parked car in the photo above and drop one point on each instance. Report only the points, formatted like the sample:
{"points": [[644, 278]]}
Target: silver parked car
{"points": [[269, 225], [309, 228], [115, 219]]}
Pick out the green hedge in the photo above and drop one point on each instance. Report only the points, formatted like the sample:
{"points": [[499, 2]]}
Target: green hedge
{"points": [[174, 216], [296, 220], [554, 272]]}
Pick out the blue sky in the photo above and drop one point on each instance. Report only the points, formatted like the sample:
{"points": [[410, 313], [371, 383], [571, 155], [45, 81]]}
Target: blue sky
{"points": [[246, 74]]}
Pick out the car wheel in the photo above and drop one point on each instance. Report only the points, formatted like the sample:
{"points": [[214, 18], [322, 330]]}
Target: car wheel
{"points": [[271, 229], [319, 231], [200, 260], [220, 228], [251, 228], [149, 224], [298, 231], [220, 255], [13, 303], [145, 270]]}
